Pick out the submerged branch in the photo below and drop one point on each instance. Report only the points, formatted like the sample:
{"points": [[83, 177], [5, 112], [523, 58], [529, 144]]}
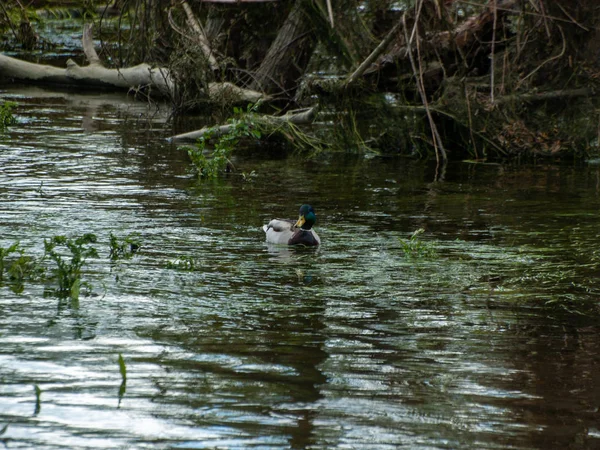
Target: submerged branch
{"points": [[297, 118]]}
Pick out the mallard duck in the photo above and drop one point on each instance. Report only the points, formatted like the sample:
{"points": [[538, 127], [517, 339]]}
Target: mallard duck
{"points": [[288, 232]]}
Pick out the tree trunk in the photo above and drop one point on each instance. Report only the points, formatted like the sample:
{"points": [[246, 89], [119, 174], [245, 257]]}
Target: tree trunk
{"points": [[288, 55]]}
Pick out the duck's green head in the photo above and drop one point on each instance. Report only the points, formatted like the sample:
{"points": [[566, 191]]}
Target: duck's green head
{"points": [[307, 217]]}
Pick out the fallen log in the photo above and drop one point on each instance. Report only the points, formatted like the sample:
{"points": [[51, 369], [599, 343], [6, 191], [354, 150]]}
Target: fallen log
{"points": [[156, 80], [302, 117], [92, 75]]}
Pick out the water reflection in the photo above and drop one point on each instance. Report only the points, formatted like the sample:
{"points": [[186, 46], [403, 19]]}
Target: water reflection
{"points": [[490, 344]]}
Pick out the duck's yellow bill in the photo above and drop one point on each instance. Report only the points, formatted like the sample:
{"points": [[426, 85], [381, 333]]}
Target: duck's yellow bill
{"points": [[300, 222]]}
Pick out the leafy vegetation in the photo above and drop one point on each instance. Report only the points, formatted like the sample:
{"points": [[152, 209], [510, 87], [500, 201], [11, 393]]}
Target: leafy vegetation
{"points": [[249, 177], [68, 271], [4, 252], [69, 256], [6, 114], [124, 248], [22, 268], [240, 126], [18, 267], [415, 247], [249, 126]]}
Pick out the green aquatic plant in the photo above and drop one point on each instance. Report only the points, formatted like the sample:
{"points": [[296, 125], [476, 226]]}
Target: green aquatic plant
{"points": [[124, 248], [415, 247], [6, 114], [38, 399], [18, 267], [210, 167], [240, 126], [22, 268], [4, 252], [246, 124], [123, 370], [249, 177], [68, 271]]}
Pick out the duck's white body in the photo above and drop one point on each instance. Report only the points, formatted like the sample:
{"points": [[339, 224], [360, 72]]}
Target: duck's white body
{"points": [[285, 232]]}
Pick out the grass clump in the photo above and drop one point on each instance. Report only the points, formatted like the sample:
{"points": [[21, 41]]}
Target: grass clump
{"points": [[415, 247]]}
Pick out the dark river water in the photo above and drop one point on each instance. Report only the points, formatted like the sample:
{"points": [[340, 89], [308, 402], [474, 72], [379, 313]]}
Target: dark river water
{"points": [[489, 340]]}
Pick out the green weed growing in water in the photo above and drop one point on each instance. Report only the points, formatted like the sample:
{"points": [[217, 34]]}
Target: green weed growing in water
{"points": [[6, 114], [4, 252], [415, 247], [19, 267], [38, 399], [124, 248], [123, 370], [22, 268], [249, 177], [68, 272], [240, 126]]}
